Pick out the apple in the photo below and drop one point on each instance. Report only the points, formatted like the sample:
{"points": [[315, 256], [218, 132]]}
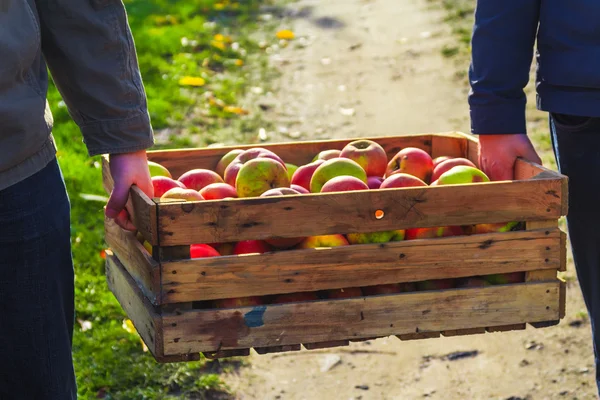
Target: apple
{"points": [[368, 154], [440, 159], [251, 247], [202, 251], [157, 169], [313, 242], [282, 243], [376, 237], [291, 168], [238, 302], [413, 161], [147, 246], [449, 164], [294, 297], [389, 288], [259, 175], [226, 160], [343, 183], [503, 279], [140, 237], [304, 173], [498, 227], [462, 174], [162, 184], [435, 232], [199, 178], [182, 194], [344, 293], [472, 282], [327, 155], [374, 182], [336, 167], [401, 179], [232, 170], [218, 191], [436, 284], [299, 189]]}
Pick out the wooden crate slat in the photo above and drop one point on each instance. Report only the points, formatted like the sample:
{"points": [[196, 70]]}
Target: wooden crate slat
{"points": [[326, 345], [463, 332], [262, 326], [419, 336], [299, 153], [448, 145], [506, 328], [145, 318], [140, 265], [354, 212], [359, 265]]}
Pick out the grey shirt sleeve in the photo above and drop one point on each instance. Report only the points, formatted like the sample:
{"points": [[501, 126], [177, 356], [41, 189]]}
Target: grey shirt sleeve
{"points": [[91, 55]]}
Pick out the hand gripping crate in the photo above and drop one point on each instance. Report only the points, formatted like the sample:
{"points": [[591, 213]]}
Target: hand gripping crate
{"points": [[168, 296]]}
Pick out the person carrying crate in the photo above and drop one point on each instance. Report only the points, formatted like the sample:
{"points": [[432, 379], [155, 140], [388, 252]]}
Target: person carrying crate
{"points": [[89, 49], [568, 88]]}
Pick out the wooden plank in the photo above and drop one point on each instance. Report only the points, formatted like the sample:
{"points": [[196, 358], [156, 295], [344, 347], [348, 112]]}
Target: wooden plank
{"points": [[227, 354], [318, 321], [563, 251], [358, 265], [506, 328], [543, 275], [450, 145], [326, 345], [355, 212], [463, 332], [299, 153], [419, 336], [472, 147], [278, 349], [141, 208], [136, 260], [142, 314]]}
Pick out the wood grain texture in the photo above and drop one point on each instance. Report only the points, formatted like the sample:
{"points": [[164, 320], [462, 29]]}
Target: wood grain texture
{"points": [[419, 336], [463, 332], [141, 208], [472, 152], [359, 265], [326, 345], [299, 153], [319, 321], [146, 320], [506, 328], [354, 212], [448, 145], [136, 260]]}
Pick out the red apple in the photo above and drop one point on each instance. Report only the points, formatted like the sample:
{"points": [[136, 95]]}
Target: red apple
{"points": [[251, 247], [295, 297], [413, 161], [344, 293], [299, 189], [238, 302], [343, 183], [282, 191], [218, 191], [202, 251], [259, 175], [435, 232], [182, 194], [199, 178], [374, 182], [400, 179], [440, 159], [436, 284], [313, 242], [449, 164], [304, 173], [232, 170], [336, 167], [226, 160], [162, 184], [368, 154], [225, 249], [327, 155], [497, 227], [282, 243]]}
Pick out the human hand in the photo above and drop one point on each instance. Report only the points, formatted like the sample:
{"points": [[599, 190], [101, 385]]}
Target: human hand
{"points": [[498, 153], [127, 169]]}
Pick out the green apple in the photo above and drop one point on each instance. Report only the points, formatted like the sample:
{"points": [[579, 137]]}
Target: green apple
{"points": [[259, 175], [291, 169], [376, 237], [335, 167], [158, 170], [462, 174]]}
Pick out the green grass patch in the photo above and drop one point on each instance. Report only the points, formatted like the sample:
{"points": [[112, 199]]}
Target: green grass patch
{"points": [[198, 60]]}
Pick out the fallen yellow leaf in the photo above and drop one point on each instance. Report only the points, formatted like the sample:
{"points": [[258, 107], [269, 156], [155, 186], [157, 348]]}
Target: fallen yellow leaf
{"points": [[218, 45], [128, 326], [285, 34], [192, 81], [235, 110]]}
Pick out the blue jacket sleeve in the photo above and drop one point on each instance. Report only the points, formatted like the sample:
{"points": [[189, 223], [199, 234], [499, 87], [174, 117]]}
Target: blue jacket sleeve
{"points": [[502, 50]]}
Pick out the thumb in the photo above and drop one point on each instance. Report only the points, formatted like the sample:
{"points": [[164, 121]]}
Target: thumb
{"points": [[118, 199]]}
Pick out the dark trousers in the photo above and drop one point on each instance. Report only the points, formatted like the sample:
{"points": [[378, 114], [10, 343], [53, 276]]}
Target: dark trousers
{"points": [[576, 142], [36, 289]]}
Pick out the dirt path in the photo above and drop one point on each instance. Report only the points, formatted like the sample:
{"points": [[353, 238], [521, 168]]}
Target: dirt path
{"points": [[375, 67]]}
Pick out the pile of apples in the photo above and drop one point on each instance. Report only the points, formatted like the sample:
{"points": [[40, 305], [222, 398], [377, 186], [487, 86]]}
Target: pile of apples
{"points": [[360, 165]]}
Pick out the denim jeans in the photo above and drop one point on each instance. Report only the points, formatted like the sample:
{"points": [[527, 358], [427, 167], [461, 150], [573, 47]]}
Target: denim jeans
{"points": [[36, 289], [576, 143]]}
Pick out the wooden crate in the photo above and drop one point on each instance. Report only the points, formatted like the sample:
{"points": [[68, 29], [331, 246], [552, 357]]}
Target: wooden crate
{"points": [[167, 295]]}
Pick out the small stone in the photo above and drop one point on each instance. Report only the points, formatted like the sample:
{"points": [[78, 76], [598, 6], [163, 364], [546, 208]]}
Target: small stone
{"points": [[329, 361], [584, 370], [362, 387], [524, 363]]}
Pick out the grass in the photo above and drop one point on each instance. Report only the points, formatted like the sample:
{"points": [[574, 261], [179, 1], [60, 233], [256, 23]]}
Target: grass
{"points": [[199, 60]]}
